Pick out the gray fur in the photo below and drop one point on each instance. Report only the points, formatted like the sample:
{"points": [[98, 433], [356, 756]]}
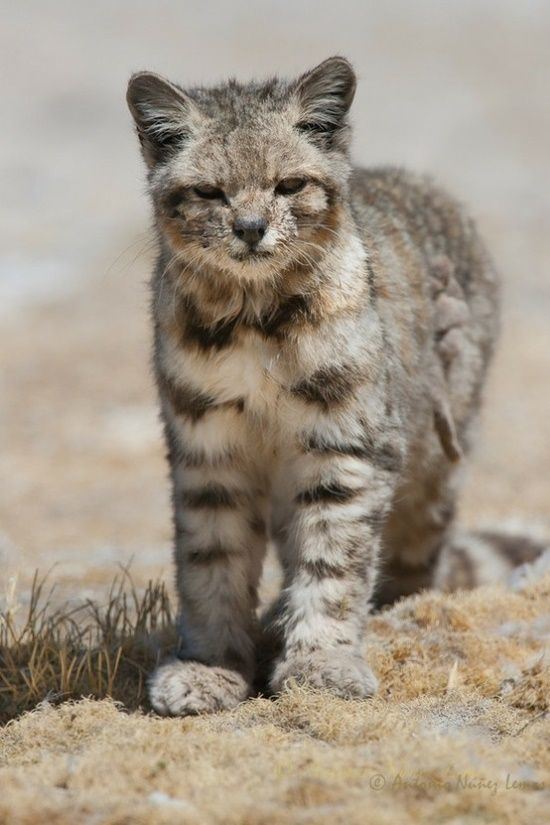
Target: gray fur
{"points": [[318, 389]]}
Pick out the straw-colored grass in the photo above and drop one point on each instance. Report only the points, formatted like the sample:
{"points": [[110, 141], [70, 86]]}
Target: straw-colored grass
{"points": [[459, 732], [87, 650]]}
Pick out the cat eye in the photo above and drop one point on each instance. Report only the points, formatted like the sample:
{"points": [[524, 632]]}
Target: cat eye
{"points": [[173, 201], [210, 193], [290, 186]]}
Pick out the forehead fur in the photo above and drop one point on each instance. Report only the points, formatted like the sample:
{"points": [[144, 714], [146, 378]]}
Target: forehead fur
{"points": [[257, 130], [233, 103], [249, 139], [258, 152]]}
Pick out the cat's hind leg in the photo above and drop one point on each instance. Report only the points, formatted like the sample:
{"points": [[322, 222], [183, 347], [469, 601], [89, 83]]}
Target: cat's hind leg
{"points": [[419, 526], [423, 548]]}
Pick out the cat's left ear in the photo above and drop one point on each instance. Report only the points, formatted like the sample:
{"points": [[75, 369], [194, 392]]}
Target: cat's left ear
{"points": [[163, 113], [325, 95]]}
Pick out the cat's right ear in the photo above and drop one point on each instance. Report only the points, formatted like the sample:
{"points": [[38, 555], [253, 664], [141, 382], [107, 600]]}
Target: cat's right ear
{"points": [[163, 115], [326, 94]]}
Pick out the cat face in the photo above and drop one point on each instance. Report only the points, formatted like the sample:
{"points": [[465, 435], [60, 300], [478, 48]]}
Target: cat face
{"points": [[247, 179]]}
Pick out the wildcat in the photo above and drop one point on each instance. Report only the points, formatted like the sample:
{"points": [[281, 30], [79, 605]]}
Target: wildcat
{"points": [[322, 336]]}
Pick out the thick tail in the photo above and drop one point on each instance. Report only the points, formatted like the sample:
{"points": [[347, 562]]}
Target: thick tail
{"points": [[508, 555]]}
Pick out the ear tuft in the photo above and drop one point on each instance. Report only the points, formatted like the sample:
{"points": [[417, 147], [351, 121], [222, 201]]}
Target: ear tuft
{"points": [[162, 113], [326, 94]]}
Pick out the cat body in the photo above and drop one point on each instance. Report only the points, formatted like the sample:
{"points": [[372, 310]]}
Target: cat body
{"points": [[322, 335]]}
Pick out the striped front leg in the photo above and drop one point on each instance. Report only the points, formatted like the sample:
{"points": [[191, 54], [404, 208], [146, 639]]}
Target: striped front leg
{"points": [[340, 496], [220, 544]]}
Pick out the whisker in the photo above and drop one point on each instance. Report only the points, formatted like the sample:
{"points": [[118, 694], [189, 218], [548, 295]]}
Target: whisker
{"points": [[147, 244]]}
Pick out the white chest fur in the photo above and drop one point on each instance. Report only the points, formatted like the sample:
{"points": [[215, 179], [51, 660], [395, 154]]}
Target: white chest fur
{"points": [[250, 369]]}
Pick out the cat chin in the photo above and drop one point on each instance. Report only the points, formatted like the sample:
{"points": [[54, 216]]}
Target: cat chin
{"points": [[249, 270], [251, 267]]}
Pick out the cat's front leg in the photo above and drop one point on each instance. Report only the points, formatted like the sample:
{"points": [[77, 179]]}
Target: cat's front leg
{"points": [[341, 493], [220, 543]]}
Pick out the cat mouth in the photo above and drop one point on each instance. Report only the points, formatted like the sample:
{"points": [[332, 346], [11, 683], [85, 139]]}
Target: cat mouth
{"points": [[252, 255]]}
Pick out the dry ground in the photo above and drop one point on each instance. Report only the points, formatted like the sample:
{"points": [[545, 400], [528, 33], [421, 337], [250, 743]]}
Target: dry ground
{"points": [[458, 89], [459, 733]]}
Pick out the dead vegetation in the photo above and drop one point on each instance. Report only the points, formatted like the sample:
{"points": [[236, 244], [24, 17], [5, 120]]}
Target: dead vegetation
{"points": [[459, 732], [90, 649]]}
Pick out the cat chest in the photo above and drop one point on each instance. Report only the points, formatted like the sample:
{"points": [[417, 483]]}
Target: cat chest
{"points": [[250, 372]]}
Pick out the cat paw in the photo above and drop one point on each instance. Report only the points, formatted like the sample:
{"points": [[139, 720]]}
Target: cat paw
{"points": [[186, 688], [343, 674]]}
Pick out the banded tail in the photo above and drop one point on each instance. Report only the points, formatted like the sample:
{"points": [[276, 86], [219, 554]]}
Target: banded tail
{"points": [[510, 555]]}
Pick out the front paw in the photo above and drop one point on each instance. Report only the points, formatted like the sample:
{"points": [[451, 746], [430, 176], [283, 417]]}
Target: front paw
{"points": [[185, 688], [343, 674]]}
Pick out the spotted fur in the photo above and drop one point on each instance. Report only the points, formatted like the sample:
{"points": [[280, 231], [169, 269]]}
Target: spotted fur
{"points": [[318, 389]]}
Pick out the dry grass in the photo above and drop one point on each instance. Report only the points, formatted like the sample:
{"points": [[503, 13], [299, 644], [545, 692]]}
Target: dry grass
{"points": [[459, 732], [88, 650]]}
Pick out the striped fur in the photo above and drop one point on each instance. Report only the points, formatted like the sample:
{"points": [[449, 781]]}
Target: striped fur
{"points": [[316, 389], [488, 556]]}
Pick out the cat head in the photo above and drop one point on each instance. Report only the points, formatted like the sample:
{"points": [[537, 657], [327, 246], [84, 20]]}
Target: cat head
{"points": [[248, 178]]}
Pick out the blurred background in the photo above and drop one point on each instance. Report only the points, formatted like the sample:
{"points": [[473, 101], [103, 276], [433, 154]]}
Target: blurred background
{"points": [[460, 89]]}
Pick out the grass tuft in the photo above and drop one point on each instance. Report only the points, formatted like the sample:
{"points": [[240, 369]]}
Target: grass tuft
{"points": [[95, 650]]}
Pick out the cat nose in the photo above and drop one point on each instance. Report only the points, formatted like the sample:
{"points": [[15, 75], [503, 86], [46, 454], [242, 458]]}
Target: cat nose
{"points": [[250, 230]]}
